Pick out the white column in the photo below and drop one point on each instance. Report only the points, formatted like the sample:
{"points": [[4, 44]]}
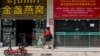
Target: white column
{"points": [[50, 15]]}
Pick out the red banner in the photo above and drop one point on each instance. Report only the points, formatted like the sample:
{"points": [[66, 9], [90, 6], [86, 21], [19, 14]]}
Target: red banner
{"points": [[76, 9]]}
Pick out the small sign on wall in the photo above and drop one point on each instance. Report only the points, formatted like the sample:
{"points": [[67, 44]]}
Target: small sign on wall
{"points": [[51, 21], [92, 25]]}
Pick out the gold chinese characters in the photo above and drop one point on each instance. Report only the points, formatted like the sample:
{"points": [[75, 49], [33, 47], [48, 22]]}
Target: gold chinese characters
{"points": [[27, 9]]}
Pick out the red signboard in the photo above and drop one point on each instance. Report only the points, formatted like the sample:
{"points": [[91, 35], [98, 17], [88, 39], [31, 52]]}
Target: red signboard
{"points": [[77, 8]]}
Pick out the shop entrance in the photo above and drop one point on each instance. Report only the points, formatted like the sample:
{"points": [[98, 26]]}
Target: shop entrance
{"points": [[24, 30], [77, 33], [29, 32]]}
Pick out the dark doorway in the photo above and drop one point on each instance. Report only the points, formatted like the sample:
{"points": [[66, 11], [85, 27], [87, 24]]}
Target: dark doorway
{"points": [[24, 28]]}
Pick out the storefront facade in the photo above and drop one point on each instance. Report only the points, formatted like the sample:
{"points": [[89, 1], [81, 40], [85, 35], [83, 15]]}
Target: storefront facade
{"points": [[77, 23], [21, 31], [77, 33], [72, 25], [21, 20]]}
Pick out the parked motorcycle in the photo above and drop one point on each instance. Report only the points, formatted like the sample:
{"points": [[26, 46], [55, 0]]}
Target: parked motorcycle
{"points": [[21, 50]]}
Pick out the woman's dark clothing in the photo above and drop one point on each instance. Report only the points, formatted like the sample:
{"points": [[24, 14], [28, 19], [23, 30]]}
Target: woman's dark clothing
{"points": [[48, 38]]}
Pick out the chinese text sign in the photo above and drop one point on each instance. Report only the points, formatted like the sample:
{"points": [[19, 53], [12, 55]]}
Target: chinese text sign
{"points": [[77, 9]]}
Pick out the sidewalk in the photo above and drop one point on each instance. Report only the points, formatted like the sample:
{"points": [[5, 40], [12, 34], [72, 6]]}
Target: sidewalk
{"points": [[61, 51]]}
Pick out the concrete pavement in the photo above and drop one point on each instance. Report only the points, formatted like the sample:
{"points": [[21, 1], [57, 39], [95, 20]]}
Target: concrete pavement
{"points": [[60, 51]]}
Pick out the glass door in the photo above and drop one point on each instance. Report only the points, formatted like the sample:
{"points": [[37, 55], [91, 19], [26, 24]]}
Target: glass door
{"points": [[79, 33], [38, 31], [73, 37]]}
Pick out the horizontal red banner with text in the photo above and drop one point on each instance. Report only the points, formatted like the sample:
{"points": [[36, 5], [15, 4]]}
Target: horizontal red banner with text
{"points": [[77, 9]]}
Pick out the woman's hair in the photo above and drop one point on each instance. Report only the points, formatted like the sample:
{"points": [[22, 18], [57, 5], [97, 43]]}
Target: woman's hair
{"points": [[48, 28]]}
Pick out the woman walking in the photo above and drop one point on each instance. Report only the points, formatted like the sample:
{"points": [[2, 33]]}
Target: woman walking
{"points": [[48, 38]]}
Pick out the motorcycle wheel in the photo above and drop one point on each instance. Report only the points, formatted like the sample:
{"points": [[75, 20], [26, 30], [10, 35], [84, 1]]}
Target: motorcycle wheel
{"points": [[6, 52]]}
